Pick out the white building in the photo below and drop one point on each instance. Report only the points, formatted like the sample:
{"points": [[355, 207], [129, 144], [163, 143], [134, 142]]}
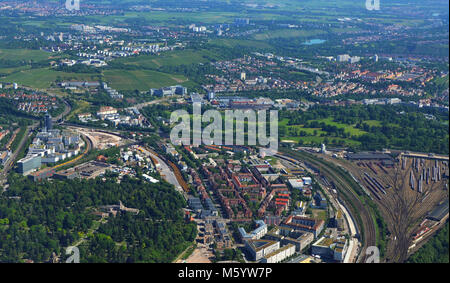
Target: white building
{"points": [[260, 248], [279, 255], [343, 58]]}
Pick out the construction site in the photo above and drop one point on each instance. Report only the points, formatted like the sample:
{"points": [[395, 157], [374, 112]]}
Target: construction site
{"points": [[411, 191], [101, 139]]}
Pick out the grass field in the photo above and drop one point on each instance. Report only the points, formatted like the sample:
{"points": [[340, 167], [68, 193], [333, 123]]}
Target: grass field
{"points": [[319, 214]]}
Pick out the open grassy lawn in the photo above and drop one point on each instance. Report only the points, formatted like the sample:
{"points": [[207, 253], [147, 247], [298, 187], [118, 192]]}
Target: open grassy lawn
{"points": [[141, 79], [319, 214], [348, 128], [329, 121], [317, 135]]}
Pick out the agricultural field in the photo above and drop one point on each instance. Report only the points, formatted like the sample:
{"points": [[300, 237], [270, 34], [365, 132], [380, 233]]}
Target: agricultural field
{"points": [[141, 80], [287, 33], [175, 58], [44, 77], [24, 55], [231, 43]]}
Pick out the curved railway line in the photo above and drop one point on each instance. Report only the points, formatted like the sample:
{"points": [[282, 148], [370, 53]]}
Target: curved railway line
{"points": [[86, 150], [345, 186]]}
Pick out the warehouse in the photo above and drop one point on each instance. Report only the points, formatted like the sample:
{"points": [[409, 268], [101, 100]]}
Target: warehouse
{"points": [[440, 212], [368, 156]]}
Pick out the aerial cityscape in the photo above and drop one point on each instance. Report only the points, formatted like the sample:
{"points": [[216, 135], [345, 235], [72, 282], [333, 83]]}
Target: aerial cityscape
{"points": [[224, 131]]}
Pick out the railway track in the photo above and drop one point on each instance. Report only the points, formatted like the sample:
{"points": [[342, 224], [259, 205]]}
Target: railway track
{"points": [[345, 185]]}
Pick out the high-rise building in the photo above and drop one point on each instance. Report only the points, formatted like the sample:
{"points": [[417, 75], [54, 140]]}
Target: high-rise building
{"points": [[354, 59], [210, 95], [48, 123]]}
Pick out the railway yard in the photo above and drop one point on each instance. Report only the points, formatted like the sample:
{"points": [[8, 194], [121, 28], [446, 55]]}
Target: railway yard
{"points": [[347, 193], [406, 190]]}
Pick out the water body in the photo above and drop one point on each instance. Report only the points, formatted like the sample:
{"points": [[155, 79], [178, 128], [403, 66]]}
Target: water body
{"points": [[314, 41]]}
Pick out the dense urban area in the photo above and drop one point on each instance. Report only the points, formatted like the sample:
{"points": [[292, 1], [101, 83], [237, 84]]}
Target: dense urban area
{"points": [[88, 160]]}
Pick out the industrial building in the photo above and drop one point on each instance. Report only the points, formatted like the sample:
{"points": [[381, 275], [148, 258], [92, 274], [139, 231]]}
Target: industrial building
{"points": [[42, 174], [368, 156], [88, 170], [439, 213]]}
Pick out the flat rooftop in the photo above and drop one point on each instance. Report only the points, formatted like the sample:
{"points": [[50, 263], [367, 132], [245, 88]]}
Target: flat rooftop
{"points": [[439, 212]]}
